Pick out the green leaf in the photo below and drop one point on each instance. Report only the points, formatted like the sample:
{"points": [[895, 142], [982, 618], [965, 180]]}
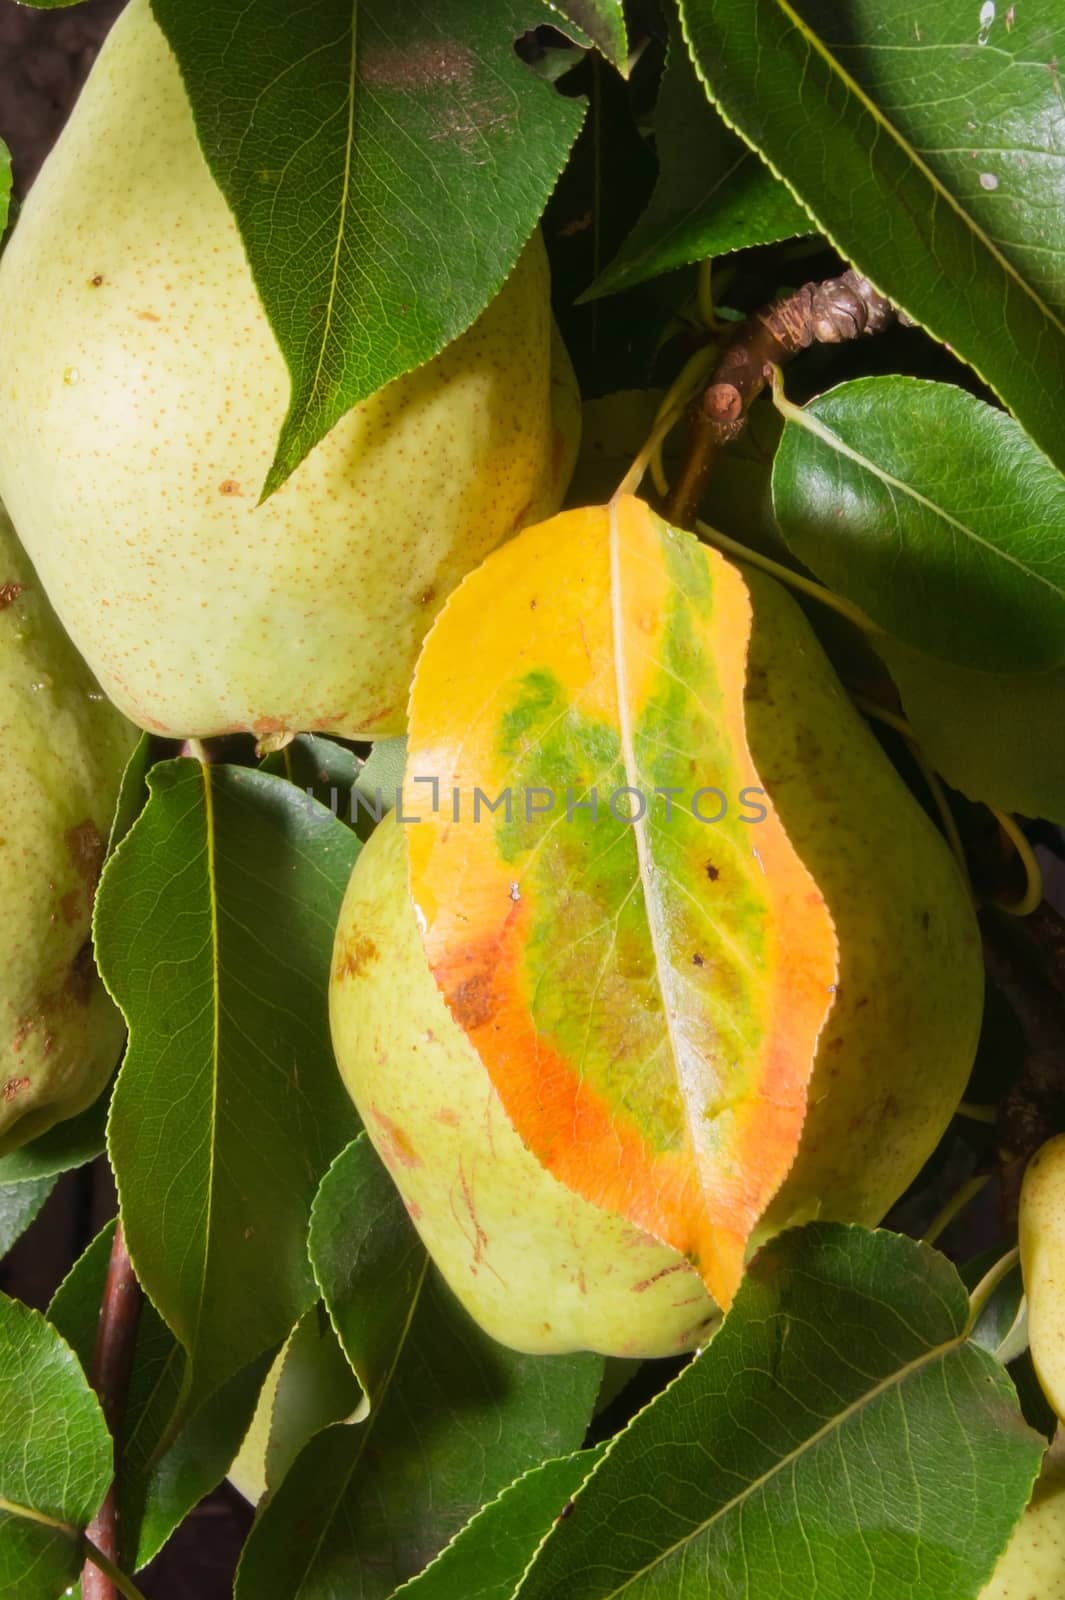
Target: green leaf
{"points": [[924, 144], [19, 1205], [838, 1436], [214, 932], [453, 1416], [713, 195], [991, 735], [935, 513], [55, 1456], [154, 1495], [385, 163], [486, 1560], [601, 21], [133, 791], [68, 1145], [325, 770]]}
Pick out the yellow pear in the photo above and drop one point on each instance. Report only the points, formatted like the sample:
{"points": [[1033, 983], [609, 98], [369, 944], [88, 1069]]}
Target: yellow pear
{"points": [[1041, 1228], [64, 749], [144, 392], [1033, 1565], [539, 1267]]}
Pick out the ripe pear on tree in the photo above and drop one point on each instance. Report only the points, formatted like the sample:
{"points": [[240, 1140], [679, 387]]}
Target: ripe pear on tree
{"points": [[64, 750], [144, 393], [543, 1269]]}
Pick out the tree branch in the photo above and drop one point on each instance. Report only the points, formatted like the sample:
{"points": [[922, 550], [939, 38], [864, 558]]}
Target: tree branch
{"points": [[819, 313], [116, 1334]]}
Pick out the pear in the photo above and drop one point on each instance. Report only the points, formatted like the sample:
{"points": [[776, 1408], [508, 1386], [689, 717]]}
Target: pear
{"points": [[1033, 1565], [64, 750], [1041, 1231], [144, 392], [538, 1266]]}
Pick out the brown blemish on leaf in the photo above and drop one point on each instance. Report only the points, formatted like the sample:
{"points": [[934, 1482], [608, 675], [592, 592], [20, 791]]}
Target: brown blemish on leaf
{"points": [[474, 1002], [15, 1086], [698, 960], [417, 69], [9, 593], [359, 953], [398, 1149], [712, 872]]}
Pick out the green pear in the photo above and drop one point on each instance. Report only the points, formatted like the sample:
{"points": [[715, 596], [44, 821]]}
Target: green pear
{"points": [[1033, 1566], [144, 392], [64, 750], [539, 1267]]}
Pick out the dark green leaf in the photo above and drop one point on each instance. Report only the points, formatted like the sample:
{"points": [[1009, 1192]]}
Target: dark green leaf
{"points": [[926, 145], [133, 792], [384, 174], [935, 513], [19, 1204], [155, 1495], [991, 735], [55, 1456], [714, 195], [214, 932], [69, 1144], [601, 21], [486, 1560], [453, 1416], [322, 768], [839, 1436]]}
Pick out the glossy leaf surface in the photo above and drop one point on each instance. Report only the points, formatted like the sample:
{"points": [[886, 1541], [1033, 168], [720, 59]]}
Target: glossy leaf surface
{"points": [[214, 928], [925, 144], [385, 162], [839, 1436], [934, 513]]}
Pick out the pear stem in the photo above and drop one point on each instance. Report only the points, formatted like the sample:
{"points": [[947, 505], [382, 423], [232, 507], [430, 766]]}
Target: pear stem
{"points": [[955, 1205], [794, 580], [990, 1282], [116, 1334]]}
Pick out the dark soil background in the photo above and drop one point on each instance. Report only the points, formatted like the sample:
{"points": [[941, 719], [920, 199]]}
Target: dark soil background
{"points": [[45, 57]]}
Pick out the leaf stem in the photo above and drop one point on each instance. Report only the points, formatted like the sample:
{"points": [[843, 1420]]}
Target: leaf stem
{"points": [[116, 1334], [1032, 897], [958, 1201], [990, 1282], [794, 580], [98, 1562], [687, 383]]}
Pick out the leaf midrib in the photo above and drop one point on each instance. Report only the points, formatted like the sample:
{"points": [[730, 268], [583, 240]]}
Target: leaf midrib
{"points": [[937, 1353], [880, 118], [804, 417]]}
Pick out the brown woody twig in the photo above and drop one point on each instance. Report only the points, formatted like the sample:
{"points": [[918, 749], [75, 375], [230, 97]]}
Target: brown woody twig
{"points": [[818, 313], [116, 1335]]}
